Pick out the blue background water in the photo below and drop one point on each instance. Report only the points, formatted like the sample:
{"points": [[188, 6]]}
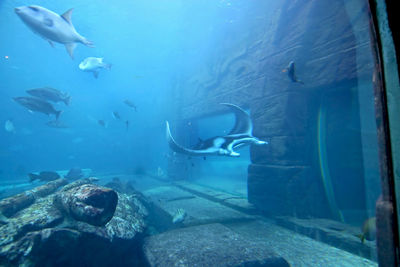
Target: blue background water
{"points": [[147, 43]]}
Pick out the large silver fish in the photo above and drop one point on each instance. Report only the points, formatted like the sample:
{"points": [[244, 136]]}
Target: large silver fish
{"points": [[36, 104], [94, 65], [52, 27], [239, 136], [50, 94]]}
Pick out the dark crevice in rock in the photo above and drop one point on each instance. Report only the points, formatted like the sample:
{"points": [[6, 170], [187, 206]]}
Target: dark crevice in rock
{"points": [[180, 198]]}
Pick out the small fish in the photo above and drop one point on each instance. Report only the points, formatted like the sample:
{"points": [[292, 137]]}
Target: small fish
{"points": [[179, 216], [52, 27], [56, 124], [37, 104], [368, 230], [9, 126], [94, 65], [102, 123], [291, 71], [45, 176], [50, 94], [160, 172], [116, 115], [74, 174], [130, 104], [127, 124]]}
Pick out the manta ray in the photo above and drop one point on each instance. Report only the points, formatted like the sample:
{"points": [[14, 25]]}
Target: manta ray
{"points": [[240, 135]]}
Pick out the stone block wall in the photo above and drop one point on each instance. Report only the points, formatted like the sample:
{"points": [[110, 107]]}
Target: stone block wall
{"points": [[331, 49]]}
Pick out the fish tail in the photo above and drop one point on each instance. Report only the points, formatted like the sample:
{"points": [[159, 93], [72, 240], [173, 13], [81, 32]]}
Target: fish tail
{"points": [[361, 237], [107, 66], [33, 177], [58, 113], [87, 42]]}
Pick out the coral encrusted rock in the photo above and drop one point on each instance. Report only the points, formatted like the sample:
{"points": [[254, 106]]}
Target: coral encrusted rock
{"points": [[81, 224], [89, 203]]}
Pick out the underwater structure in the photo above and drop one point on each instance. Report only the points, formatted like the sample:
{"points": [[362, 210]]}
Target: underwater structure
{"points": [[307, 176], [291, 174]]}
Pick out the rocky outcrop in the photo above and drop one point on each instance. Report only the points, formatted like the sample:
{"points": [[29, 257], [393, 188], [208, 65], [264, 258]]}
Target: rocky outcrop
{"points": [[89, 203], [81, 225], [121, 186], [11, 205]]}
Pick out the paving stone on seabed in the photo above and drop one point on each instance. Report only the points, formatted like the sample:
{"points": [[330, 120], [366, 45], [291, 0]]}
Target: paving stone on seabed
{"points": [[297, 249], [331, 232], [199, 210], [208, 245], [231, 200]]}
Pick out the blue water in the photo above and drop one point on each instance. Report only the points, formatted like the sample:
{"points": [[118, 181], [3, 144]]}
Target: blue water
{"points": [[146, 43], [149, 45], [155, 45]]}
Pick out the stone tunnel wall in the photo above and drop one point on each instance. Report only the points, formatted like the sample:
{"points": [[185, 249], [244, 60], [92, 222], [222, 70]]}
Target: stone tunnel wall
{"points": [[331, 51]]}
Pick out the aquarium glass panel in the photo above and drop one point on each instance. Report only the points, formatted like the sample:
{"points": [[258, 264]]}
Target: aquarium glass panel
{"points": [[195, 133]]}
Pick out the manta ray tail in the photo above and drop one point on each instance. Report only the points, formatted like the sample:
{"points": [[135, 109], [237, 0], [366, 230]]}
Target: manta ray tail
{"points": [[176, 147]]}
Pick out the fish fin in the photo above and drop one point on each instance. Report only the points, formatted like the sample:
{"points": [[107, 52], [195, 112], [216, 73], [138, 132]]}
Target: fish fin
{"points": [[362, 237], [243, 124], [70, 49], [51, 43], [67, 100], [30, 111], [67, 16], [180, 149], [48, 22], [96, 74], [58, 113]]}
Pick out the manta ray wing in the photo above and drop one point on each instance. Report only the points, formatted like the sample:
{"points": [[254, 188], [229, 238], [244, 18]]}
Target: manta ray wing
{"points": [[191, 152], [243, 124]]}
